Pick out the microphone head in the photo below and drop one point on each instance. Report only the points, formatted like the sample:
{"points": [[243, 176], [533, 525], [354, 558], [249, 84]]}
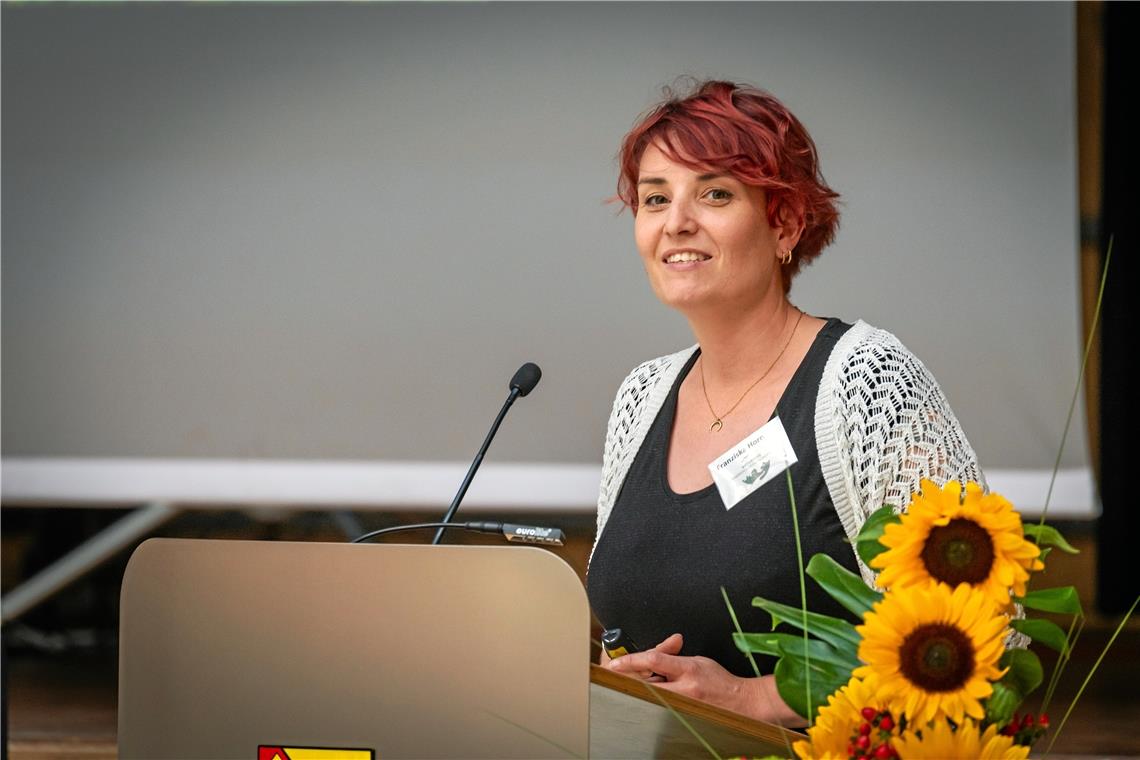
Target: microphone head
{"points": [[526, 378]]}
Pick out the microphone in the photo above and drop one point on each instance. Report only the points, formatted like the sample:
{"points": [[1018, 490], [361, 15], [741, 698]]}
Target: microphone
{"points": [[521, 384], [525, 534], [526, 378]]}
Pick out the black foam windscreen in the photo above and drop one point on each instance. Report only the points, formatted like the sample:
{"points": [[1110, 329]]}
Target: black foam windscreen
{"points": [[526, 378]]}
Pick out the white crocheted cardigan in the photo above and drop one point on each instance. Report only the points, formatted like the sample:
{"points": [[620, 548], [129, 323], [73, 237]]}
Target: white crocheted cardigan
{"points": [[882, 424]]}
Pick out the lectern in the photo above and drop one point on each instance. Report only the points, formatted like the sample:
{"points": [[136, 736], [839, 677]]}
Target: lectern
{"points": [[245, 649]]}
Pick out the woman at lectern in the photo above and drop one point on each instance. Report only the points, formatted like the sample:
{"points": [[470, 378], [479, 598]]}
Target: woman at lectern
{"points": [[729, 204]]}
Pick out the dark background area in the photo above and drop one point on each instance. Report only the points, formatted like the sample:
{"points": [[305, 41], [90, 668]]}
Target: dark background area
{"points": [[1119, 523]]}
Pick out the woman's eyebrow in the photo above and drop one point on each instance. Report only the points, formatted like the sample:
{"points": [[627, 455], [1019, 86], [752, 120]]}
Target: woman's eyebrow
{"points": [[661, 181]]}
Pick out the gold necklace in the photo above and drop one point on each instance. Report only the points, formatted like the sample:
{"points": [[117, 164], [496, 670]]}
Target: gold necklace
{"points": [[718, 419]]}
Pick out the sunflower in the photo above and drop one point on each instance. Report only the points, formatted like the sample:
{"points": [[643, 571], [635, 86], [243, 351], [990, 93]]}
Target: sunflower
{"points": [[837, 725], [933, 650], [939, 740], [947, 537]]}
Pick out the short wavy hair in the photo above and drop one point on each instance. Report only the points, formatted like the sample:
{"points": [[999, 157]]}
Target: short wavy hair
{"points": [[744, 131]]}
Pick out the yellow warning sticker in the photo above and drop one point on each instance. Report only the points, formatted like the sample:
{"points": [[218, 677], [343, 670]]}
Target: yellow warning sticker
{"points": [[279, 752]]}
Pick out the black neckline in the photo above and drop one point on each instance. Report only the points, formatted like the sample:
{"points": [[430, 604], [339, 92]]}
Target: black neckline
{"points": [[672, 401]]}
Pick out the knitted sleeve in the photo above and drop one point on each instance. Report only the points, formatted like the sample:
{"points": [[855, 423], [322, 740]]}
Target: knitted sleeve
{"points": [[638, 400], [882, 425], [624, 423]]}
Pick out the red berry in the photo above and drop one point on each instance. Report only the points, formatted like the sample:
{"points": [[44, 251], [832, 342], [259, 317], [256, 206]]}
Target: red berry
{"points": [[865, 729], [886, 723], [1043, 721], [850, 750], [884, 751], [863, 742], [1028, 722], [868, 713]]}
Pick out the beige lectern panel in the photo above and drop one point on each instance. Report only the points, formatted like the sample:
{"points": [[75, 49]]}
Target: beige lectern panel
{"points": [[411, 651]]}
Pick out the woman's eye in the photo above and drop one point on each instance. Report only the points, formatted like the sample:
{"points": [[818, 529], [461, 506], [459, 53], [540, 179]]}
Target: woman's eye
{"points": [[717, 194], [654, 200]]}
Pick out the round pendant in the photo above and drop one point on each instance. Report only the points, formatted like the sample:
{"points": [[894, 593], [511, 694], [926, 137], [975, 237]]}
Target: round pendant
{"points": [[716, 426]]}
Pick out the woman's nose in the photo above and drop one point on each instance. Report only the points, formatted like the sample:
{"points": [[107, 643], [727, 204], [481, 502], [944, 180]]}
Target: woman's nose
{"points": [[681, 218]]}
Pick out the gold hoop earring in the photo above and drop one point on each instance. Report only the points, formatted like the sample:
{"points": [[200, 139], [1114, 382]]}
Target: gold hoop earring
{"points": [[786, 257]]}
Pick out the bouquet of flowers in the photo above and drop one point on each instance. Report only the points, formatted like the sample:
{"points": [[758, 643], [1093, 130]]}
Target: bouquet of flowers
{"points": [[938, 666]]}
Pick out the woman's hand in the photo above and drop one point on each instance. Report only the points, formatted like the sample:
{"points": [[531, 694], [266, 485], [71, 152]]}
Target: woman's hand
{"points": [[704, 679], [631, 667]]}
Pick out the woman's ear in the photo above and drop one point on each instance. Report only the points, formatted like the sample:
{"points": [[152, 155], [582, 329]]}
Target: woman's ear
{"points": [[790, 228]]}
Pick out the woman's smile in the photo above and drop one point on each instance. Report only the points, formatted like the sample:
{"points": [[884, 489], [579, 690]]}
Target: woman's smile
{"points": [[684, 259]]}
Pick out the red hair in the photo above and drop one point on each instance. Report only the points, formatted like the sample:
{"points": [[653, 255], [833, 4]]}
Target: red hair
{"points": [[743, 131]]}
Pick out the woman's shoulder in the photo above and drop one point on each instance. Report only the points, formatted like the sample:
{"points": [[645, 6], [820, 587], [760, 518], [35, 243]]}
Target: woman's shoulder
{"points": [[868, 362], [870, 348], [649, 373]]}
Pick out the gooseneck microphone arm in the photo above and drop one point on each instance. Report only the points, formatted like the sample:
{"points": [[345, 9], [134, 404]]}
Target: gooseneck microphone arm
{"points": [[522, 383], [474, 466]]}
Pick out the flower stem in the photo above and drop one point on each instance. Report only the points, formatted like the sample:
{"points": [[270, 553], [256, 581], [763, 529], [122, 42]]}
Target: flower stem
{"points": [[803, 593], [751, 659], [1080, 379], [736, 625], [681, 719], [1063, 659], [1088, 677]]}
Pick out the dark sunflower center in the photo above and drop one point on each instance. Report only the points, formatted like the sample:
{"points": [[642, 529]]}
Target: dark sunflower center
{"points": [[937, 657], [959, 552]]}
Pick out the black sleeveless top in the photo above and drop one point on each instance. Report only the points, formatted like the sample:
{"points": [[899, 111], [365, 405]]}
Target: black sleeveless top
{"points": [[663, 556]]}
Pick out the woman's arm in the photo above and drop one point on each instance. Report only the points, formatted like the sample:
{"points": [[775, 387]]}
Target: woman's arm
{"points": [[704, 679], [882, 425], [893, 423]]}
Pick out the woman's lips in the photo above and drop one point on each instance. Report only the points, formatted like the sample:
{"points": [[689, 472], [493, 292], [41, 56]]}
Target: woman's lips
{"points": [[684, 259]]}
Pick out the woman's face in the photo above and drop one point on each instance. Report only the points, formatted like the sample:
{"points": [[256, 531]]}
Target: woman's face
{"points": [[704, 238]]}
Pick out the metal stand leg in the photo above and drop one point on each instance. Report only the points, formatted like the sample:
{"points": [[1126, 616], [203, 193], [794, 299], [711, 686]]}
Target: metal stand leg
{"points": [[85, 557]]}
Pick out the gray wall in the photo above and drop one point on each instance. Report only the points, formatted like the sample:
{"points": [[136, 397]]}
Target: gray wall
{"points": [[334, 231]]}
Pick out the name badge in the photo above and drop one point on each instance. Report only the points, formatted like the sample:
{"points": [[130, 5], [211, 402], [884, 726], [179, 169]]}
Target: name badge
{"points": [[752, 462]]}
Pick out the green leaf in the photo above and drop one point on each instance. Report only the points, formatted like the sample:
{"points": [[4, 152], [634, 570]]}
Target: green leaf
{"points": [[759, 643], [867, 541], [791, 682], [822, 654], [833, 630], [1044, 552], [1044, 632], [1049, 536], [787, 644], [830, 668], [1025, 673], [844, 586], [1001, 704], [1062, 599]]}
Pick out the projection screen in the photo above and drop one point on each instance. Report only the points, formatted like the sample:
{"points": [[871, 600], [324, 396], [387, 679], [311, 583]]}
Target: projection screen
{"points": [[327, 234]]}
